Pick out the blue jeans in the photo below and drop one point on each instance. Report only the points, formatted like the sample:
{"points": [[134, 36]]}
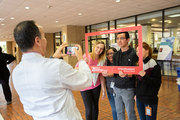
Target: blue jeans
{"points": [[141, 110], [112, 103], [124, 98]]}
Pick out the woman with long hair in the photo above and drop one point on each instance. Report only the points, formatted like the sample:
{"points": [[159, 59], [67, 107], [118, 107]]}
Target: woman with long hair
{"points": [[91, 94], [109, 77]]}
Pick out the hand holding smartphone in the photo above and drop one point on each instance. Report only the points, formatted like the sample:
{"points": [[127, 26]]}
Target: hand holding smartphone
{"points": [[69, 50], [74, 50], [58, 53]]}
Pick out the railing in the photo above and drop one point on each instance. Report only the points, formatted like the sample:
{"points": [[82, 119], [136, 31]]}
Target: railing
{"points": [[169, 67]]}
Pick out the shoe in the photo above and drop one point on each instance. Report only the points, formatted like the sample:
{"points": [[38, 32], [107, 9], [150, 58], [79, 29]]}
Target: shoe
{"points": [[9, 102]]}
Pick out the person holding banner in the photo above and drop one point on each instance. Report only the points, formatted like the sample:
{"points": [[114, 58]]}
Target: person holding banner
{"points": [[148, 84], [91, 94], [124, 83], [109, 77]]}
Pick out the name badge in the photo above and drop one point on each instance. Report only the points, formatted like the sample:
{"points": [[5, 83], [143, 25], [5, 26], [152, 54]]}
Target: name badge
{"points": [[148, 111], [112, 85]]}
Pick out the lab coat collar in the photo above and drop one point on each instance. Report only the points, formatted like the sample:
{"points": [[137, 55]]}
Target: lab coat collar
{"points": [[29, 55]]}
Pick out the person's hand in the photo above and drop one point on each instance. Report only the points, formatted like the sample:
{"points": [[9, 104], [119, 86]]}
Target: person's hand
{"points": [[58, 53], [142, 73], [104, 73], [77, 68], [129, 75], [121, 74], [78, 52], [86, 59], [135, 97]]}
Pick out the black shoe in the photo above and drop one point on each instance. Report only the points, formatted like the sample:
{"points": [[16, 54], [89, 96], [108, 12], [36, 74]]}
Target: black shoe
{"points": [[9, 102]]}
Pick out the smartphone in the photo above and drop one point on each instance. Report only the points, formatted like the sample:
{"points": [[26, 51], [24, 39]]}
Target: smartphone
{"points": [[70, 50]]}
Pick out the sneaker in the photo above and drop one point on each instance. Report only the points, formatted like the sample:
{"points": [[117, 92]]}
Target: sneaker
{"points": [[9, 102]]}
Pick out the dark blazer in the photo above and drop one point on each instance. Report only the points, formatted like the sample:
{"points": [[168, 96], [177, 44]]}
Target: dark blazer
{"points": [[4, 60]]}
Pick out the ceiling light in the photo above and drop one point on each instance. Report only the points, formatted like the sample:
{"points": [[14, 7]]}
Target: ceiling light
{"points": [[27, 8], [57, 21], [2, 24], [49, 6], [58, 36], [79, 14], [12, 18], [153, 20], [1, 19], [176, 15], [169, 21], [156, 25], [118, 0]]}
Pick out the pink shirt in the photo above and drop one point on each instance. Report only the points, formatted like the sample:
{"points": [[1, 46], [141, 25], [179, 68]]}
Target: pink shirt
{"points": [[91, 63]]}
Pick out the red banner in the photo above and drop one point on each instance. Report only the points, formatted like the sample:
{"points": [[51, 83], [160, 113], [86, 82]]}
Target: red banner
{"points": [[116, 69]]}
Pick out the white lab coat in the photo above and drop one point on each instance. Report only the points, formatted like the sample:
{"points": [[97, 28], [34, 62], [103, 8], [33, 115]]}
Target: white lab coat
{"points": [[44, 86]]}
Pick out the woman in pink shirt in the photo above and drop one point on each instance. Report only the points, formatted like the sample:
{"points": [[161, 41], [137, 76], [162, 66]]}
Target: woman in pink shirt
{"points": [[91, 94]]}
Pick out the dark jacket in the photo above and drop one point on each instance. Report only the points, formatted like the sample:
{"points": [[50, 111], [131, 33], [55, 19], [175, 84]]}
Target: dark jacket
{"points": [[4, 60], [148, 85], [127, 58]]}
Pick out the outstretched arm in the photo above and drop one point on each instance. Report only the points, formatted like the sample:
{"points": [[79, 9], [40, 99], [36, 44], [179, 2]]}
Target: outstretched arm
{"points": [[103, 86]]}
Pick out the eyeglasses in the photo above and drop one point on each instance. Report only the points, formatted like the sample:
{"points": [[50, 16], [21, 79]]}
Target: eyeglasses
{"points": [[121, 38], [109, 54]]}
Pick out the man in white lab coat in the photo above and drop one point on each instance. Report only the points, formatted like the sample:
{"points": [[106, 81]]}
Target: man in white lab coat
{"points": [[45, 85]]}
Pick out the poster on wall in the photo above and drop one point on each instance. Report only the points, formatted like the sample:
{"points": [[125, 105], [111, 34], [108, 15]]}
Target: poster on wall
{"points": [[166, 48]]}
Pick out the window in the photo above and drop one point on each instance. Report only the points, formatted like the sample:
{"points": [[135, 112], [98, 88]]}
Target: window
{"points": [[58, 41], [128, 22], [172, 27], [151, 28]]}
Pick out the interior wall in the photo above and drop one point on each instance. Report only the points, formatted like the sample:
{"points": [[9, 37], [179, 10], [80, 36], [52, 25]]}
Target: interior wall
{"points": [[9, 47], [50, 44], [73, 35], [13, 49]]}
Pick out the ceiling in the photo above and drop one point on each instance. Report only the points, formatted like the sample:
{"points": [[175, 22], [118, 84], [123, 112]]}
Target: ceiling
{"points": [[53, 14]]}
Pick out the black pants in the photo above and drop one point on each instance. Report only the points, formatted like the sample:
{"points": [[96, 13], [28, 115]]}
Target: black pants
{"points": [[6, 88], [91, 102]]}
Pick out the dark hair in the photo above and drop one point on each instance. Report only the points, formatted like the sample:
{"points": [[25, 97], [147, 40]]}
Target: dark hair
{"points": [[0, 49], [147, 47], [110, 48], [25, 33], [126, 34]]}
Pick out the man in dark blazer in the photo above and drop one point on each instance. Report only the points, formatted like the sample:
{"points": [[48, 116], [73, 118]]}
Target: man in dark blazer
{"points": [[4, 74]]}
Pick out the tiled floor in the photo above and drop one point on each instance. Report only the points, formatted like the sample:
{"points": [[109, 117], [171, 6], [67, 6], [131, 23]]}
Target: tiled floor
{"points": [[168, 109]]}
